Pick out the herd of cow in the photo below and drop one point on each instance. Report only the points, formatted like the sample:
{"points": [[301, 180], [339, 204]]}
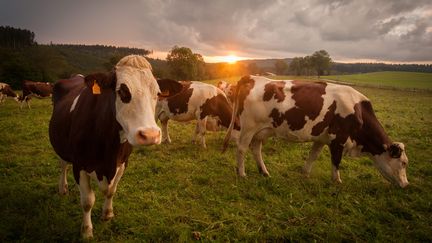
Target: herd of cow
{"points": [[97, 119]]}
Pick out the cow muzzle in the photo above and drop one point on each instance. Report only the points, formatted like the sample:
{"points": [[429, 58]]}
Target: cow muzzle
{"points": [[148, 136]]}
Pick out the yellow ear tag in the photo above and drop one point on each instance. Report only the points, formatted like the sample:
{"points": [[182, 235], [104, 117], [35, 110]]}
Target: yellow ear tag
{"points": [[96, 88]]}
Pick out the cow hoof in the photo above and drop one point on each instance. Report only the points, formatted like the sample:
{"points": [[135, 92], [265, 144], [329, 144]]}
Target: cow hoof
{"points": [[87, 232], [265, 174], [241, 174], [107, 215], [166, 141], [337, 181], [63, 190]]}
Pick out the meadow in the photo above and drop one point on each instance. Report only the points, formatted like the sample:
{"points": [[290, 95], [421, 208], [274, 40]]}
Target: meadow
{"points": [[180, 192], [397, 80]]}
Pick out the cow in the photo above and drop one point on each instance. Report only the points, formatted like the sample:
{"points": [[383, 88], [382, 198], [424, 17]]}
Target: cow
{"points": [[228, 89], [96, 121], [6, 91], [323, 113], [34, 89], [191, 100]]}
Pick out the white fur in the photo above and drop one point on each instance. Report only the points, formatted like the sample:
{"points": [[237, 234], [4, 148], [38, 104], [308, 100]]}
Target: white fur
{"points": [[139, 113]]}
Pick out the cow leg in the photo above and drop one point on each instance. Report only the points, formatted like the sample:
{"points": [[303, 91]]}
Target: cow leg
{"points": [[28, 102], [63, 185], [201, 126], [242, 146], [87, 202], [256, 146], [313, 155], [165, 135], [109, 190], [336, 157]]}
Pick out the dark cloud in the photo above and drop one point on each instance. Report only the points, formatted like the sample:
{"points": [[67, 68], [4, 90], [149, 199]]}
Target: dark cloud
{"points": [[385, 30]]}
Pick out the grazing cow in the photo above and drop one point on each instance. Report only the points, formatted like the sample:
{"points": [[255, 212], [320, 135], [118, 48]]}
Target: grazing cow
{"points": [[34, 89], [6, 91], [326, 114], [95, 122], [228, 89], [186, 101]]}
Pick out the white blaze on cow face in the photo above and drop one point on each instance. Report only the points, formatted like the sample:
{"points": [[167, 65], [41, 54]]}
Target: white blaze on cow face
{"points": [[136, 96], [393, 168]]}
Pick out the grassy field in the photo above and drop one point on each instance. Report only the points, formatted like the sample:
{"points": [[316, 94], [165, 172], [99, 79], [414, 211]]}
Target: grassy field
{"points": [[401, 80], [170, 191]]}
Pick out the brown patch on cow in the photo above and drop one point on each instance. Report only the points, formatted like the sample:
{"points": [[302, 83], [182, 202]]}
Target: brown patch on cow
{"points": [[308, 102], [319, 127], [178, 103], [169, 87], [274, 89], [244, 86], [218, 106], [124, 93]]}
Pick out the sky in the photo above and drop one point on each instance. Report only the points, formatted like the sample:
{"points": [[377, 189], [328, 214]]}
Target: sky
{"points": [[394, 31]]}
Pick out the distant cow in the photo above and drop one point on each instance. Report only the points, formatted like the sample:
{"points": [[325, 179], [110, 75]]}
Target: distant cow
{"points": [[95, 122], [6, 91], [228, 89], [186, 101], [326, 114], [34, 89]]}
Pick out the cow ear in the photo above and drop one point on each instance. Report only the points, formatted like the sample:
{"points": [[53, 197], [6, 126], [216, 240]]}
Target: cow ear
{"points": [[100, 81], [169, 87], [394, 150]]}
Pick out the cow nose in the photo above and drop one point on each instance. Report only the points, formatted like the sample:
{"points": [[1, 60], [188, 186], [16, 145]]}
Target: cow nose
{"points": [[148, 136], [404, 184]]}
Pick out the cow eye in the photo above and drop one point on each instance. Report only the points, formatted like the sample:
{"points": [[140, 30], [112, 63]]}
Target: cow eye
{"points": [[124, 93]]}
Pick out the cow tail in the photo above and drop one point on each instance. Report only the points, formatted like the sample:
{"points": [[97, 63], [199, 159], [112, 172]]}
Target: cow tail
{"points": [[233, 118]]}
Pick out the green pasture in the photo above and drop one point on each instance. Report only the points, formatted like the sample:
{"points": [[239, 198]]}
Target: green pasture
{"points": [[398, 80], [178, 192]]}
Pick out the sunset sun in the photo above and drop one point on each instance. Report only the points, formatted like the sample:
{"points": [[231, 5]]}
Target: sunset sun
{"points": [[231, 59]]}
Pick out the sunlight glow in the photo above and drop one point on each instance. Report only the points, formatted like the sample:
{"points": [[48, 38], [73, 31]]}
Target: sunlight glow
{"points": [[231, 59]]}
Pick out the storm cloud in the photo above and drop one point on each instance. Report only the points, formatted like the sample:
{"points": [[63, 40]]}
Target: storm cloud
{"points": [[381, 30]]}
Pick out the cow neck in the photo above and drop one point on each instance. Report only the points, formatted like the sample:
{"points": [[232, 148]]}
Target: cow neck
{"points": [[371, 135]]}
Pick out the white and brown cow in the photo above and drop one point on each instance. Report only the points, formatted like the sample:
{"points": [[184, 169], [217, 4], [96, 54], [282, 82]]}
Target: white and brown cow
{"points": [[6, 91], [191, 100], [228, 89], [326, 114], [34, 89], [95, 122]]}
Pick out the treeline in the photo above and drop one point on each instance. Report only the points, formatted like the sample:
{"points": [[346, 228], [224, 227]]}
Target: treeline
{"points": [[22, 58], [16, 38]]}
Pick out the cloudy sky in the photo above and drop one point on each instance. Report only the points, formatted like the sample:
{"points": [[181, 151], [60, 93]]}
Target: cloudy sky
{"points": [[361, 30]]}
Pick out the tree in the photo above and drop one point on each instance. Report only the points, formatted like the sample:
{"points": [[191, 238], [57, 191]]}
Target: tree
{"points": [[253, 68], [280, 66], [321, 62], [184, 64], [296, 65]]}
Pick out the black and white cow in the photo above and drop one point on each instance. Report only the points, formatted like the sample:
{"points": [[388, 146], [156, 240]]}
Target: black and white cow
{"points": [[191, 100], [323, 113], [95, 122]]}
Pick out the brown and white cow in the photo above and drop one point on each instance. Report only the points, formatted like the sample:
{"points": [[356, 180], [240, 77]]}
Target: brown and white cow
{"points": [[6, 91], [228, 89], [95, 122], [34, 89], [191, 100], [324, 113]]}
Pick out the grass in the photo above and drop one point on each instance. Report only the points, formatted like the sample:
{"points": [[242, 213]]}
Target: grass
{"points": [[170, 191], [401, 80]]}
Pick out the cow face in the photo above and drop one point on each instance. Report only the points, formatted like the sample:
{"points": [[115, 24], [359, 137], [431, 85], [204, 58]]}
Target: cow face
{"points": [[136, 97], [392, 164]]}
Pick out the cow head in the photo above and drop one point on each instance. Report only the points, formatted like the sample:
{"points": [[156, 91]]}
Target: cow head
{"points": [[136, 97], [392, 163]]}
